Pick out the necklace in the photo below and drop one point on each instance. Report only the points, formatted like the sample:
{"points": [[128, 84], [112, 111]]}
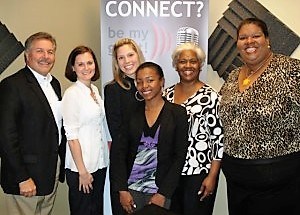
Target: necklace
{"points": [[94, 96], [247, 80]]}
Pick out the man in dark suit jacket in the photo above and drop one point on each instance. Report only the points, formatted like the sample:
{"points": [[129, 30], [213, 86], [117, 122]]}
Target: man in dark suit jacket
{"points": [[31, 136]]}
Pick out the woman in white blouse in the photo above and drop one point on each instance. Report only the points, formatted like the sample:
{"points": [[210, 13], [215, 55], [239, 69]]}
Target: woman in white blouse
{"points": [[87, 134]]}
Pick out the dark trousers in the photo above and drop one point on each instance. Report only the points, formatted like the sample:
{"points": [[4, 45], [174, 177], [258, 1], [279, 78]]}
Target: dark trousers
{"points": [[263, 186], [116, 206], [186, 200], [142, 199], [86, 203]]}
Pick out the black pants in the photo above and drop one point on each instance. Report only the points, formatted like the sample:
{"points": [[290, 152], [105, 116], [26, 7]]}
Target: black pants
{"points": [[86, 203], [264, 186], [140, 200], [186, 200], [116, 206]]}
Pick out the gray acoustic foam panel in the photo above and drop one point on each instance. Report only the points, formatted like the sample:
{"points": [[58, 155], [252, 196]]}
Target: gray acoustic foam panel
{"points": [[10, 48], [223, 55]]}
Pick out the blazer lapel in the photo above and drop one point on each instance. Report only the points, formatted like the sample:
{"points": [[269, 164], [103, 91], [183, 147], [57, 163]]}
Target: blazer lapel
{"points": [[56, 88], [38, 91], [139, 123], [164, 121]]}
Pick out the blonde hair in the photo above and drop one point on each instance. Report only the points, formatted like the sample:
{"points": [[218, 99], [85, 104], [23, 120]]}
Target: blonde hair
{"points": [[118, 74]]}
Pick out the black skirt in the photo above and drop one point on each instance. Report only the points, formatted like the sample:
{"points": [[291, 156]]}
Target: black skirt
{"points": [[263, 186]]}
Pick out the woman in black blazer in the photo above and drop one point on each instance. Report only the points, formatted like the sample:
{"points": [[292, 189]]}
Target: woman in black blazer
{"points": [[151, 149], [119, 96]]}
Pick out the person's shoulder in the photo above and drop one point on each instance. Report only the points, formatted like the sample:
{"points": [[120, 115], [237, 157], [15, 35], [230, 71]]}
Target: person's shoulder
{"points": [[170, 88], [234, 74], [285, 58], [176, 113], [287, 65], [95, 88], [72, 89], [294, 61], [169, 91], [18, 76], [210, 90], [174, 107], [111, 87]]}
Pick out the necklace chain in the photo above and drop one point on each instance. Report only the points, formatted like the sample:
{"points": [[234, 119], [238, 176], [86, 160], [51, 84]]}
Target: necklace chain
{"points": [[94, 96], [247, 80]]}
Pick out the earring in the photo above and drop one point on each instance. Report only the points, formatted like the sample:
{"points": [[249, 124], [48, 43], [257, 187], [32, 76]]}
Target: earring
{"points": [[269, 46], [137, 96]]}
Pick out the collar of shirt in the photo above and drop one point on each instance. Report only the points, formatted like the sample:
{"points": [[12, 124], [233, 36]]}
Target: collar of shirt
{"points": [[43, 80], [85, 88]]}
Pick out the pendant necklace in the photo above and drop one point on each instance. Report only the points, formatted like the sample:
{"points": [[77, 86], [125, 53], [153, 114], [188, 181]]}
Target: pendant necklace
{"points": [[247, 80]]}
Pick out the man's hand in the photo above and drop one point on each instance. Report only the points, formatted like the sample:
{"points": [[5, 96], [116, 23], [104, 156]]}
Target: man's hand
{"points": [[27, 188]]}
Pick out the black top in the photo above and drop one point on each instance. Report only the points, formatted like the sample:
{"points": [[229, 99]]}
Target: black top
{"points": [[171, 148], [119, 105]]}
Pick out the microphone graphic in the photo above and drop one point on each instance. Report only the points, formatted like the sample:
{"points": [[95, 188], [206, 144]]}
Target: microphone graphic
{"points": [[187, 34]]}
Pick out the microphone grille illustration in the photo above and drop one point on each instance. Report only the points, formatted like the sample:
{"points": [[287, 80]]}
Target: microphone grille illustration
{"points": [[187, 34]]}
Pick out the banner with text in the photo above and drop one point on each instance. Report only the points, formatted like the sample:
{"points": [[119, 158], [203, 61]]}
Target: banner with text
{"points": [[157, 26]]}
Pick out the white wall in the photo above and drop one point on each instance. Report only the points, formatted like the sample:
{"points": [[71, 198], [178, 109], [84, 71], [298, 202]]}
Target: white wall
{"points": [[75, 22]]}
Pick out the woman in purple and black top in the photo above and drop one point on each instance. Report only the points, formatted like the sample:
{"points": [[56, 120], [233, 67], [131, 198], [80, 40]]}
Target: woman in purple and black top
{"points": [[149, 156]]}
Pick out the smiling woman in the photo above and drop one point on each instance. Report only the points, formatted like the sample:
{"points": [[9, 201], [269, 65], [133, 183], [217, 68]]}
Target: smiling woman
{"points": [[87, 134], [120, 102], [254, 46], [150, 151], [260, 111], [66, 37], [150, 83], [199, 177]]}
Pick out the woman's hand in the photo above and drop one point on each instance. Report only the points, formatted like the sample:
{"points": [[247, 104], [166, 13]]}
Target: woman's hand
{"points": [[207, 187], [85, 182], [209, 183], [126, 201], [85, 178], [158, 199]]}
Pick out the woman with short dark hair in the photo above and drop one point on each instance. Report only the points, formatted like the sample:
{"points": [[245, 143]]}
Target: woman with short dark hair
{"points": [[260, 110]]}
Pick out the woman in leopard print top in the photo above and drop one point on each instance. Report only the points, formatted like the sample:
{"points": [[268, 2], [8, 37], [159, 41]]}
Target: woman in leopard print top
{"points": [[260, 111]]}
